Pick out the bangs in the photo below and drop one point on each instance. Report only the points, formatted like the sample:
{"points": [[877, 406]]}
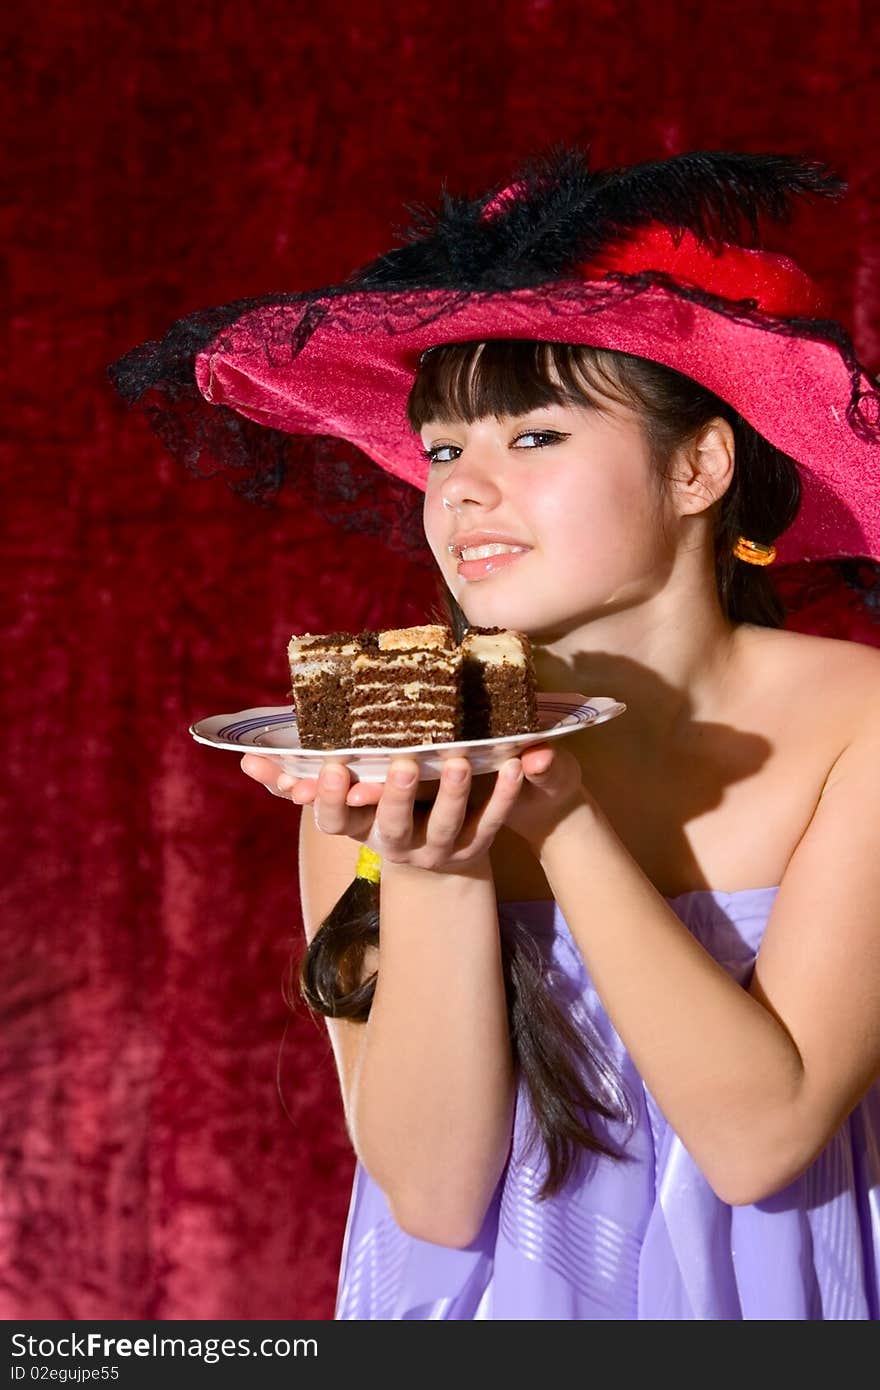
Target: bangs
{"points": [[468, 381]]}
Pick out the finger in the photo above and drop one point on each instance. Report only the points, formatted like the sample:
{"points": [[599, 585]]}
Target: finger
{"points": [[537, 760], [260, 769], [394, 812], [450, 804], [304, 791], [266, 771], [331, 812], [488, 820], [364, 793]]}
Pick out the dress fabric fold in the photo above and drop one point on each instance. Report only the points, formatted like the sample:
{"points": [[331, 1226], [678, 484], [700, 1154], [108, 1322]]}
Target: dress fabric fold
{"points": [[647, 1237]]}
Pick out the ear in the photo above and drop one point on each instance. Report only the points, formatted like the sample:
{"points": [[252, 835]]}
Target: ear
{"points": [[705, 468]]}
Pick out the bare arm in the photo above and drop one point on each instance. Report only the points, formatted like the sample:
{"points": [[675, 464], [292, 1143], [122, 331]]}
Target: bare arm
{"points": [[755, 1081], [427, 1081], [725, 1072], [433, 1093]]}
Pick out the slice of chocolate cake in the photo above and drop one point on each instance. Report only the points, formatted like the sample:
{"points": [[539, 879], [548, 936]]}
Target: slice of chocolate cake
{"points": [[407, 690], [411, 685], [499, 688], [321, 680]]}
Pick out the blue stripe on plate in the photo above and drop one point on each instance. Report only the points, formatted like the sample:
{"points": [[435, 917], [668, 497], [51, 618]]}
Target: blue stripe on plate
{"points": [[247, 726], [234, 732]]}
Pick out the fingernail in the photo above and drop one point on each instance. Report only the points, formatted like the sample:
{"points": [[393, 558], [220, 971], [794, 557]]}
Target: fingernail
{"points": [[332, 780], [457, 774], [402, 779], [513, 771]]}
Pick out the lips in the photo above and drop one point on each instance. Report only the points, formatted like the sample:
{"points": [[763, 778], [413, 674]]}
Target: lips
{"points": [[482, 569], [483, 552], [466, 540]]}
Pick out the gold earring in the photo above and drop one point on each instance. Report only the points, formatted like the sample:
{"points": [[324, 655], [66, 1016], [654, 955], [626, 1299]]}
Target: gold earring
{"points": [[753, 552]]}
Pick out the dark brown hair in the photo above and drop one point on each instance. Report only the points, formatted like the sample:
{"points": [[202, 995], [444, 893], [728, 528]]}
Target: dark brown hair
{"points": [[563, 1071]]}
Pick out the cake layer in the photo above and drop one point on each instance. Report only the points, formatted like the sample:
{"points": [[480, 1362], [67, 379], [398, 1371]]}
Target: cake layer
{"points": [[410, 686], [432, 636], [322, 686], [407, 690], [499, 690], [403, 738]]}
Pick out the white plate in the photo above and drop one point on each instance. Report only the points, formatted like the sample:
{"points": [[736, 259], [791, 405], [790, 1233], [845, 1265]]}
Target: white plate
{"points": [[271, 731]]}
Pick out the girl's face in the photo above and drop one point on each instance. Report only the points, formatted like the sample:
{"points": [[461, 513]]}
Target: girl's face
{"points": [[575, 486]]}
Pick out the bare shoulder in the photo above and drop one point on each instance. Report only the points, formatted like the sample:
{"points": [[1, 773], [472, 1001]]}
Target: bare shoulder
{"points": [[849, 671], [818, 968], [826, 678]]}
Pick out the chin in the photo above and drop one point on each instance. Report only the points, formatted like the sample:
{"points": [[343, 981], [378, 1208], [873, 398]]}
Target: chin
{"points": [[507, 614]]}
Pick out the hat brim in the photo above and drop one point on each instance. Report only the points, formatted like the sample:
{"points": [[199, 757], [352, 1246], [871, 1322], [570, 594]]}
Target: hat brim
{"points": [[351, 374]]}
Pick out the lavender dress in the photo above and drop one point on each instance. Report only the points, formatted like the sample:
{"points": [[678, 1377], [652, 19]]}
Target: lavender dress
{"points": [[646, 1238]]}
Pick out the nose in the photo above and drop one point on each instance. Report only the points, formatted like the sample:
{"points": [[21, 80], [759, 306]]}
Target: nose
{"points": [[471, 478]]}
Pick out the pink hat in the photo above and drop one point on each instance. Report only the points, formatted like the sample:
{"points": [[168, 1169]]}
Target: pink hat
{"points": [[647, 259]]}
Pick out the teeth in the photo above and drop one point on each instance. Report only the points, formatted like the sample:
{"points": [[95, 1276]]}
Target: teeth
{"points": [[480, 552]]}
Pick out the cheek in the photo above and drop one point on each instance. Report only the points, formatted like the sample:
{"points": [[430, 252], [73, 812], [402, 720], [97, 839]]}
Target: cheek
{"points": [[434, 519], [599, 511]]}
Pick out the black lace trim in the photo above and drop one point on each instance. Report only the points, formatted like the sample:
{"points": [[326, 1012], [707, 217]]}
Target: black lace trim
{"points": [[333, 476]]}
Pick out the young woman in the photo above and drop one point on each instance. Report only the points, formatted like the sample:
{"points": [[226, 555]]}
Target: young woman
{"points": [[616, 1055]]}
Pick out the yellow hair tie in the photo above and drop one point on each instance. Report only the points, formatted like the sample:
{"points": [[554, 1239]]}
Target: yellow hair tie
{"points": [[368, 865], [753, 552]]}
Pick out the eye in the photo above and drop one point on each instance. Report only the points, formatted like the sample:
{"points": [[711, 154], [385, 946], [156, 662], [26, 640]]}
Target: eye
{"points": [[549, 436]]}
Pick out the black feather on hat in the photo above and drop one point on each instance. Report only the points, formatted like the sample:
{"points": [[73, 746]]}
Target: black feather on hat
{"points": [[563, 213]]}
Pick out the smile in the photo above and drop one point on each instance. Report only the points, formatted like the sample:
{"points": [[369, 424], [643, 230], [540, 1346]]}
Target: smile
{"points": [[500, 557]]}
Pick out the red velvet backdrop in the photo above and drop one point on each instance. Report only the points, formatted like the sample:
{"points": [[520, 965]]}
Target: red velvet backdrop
{"points": [[169, 158]]}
